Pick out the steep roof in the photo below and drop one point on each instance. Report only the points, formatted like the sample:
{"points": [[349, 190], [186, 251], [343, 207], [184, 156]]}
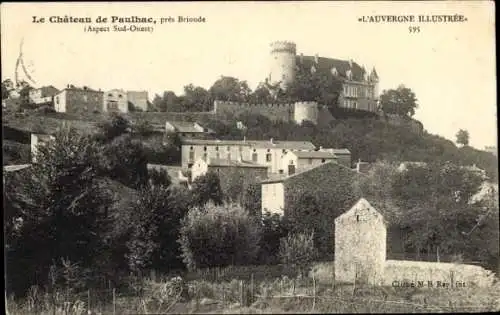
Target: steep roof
{"points": [[229, 163], [48, 91], [298, 145], [361, 205], [326, 64]]}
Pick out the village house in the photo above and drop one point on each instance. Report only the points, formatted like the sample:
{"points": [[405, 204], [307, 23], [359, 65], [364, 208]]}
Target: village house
{"points": [[115, 101], [223, 167], [188, 129], [268, 153], [294, 160], [43, 95], [38, 140], [320, 181], [78, 100]]}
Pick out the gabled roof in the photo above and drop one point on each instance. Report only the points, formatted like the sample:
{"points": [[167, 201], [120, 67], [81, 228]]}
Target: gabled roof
{"points": [[326, 64], [361, 205], [48, 91]]}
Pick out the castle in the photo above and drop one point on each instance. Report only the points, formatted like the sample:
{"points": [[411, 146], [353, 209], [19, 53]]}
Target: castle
{"points": [[359, 92]]}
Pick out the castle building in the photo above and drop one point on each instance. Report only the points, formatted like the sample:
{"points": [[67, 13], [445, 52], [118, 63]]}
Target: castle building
{"points": [[77, 100], [267, 153], [360, 89], [115, 101]]}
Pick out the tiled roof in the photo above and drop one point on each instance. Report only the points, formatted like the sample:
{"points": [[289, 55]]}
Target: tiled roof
{"points": [[228, 163], [298, 145], [281, 178], [314, 154], [326, 64]]}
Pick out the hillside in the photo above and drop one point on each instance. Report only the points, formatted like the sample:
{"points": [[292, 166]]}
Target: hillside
{"points": [[368, 139]]}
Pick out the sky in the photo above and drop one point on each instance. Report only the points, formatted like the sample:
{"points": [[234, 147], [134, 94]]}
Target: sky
{"points": [[449, 66]]}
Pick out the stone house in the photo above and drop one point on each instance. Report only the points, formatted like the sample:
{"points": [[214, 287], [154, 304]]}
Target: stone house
{"points": [[360, 245], [227, 170], [37, 140], [43, 95], [78, 100], [330, 183], [294, 160], [115, 101], [268, 153], [188, 129]]}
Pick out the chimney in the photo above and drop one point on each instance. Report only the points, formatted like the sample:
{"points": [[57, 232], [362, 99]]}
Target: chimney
{"points": [[350, 63], [316, 58], [301, 58], [320, 148]]}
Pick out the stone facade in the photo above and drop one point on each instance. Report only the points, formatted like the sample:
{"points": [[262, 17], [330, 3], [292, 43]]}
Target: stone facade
{"points": [[115, 101], [78, 100], [267, 153], [43, 95], [360, 245]]}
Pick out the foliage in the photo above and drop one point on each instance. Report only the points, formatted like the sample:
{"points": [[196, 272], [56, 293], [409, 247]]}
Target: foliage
{"points": [[143, 128], [114, 126], [154, 227], [218, 236], [401, 101], [463, 137], [252, 199], [230, 89], [297, 250], [207, 188], [59, 209], [273, 229], [124, 159], [159, 177]]}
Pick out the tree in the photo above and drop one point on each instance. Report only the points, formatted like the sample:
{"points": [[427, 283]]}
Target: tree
{"points": [[218, 236], [195, 99], [114, 126], [230, 89], [207, 188], [155, 223], [401, 101], [262, 94], [61, 211], [297, 251], [463, 137], [273, 229]]}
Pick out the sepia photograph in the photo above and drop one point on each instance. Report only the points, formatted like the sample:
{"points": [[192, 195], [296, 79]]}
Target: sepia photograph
{"points": [[243, 157]]}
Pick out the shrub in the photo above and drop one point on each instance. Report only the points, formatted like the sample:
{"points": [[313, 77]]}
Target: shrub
{"points": [[298, 251], [207, 188], [218, 236], [159, 177]]}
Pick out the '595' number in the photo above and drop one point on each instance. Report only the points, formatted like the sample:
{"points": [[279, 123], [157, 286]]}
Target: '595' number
{"points": [[414, 29]]}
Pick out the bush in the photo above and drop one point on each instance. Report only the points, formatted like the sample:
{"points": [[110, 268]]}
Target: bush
{"points": [[207, 188], [218, 236], [298, 251], [159, 177]]}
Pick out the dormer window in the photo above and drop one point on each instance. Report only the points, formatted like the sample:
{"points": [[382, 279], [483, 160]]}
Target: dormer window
{"points": [[334, 71], [349, 74]]}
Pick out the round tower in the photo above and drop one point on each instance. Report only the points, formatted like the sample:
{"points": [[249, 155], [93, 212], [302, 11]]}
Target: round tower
{"points": [[283, 63], [305, 111]]}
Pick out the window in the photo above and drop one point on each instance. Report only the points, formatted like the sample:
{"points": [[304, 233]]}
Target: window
{"points": [[120, 96], [205, 149], [240, 149], [268, 157], [283, 151], [254, 156], [357, 218], [228, 148], [217, 155], [57, 100], [191, 155], [322, 160], [310, 161], [217, 148], [110, 95], [205, 157]]}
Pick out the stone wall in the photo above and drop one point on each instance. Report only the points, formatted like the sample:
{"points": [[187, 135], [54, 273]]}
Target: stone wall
{"points": [[274, 112]]}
